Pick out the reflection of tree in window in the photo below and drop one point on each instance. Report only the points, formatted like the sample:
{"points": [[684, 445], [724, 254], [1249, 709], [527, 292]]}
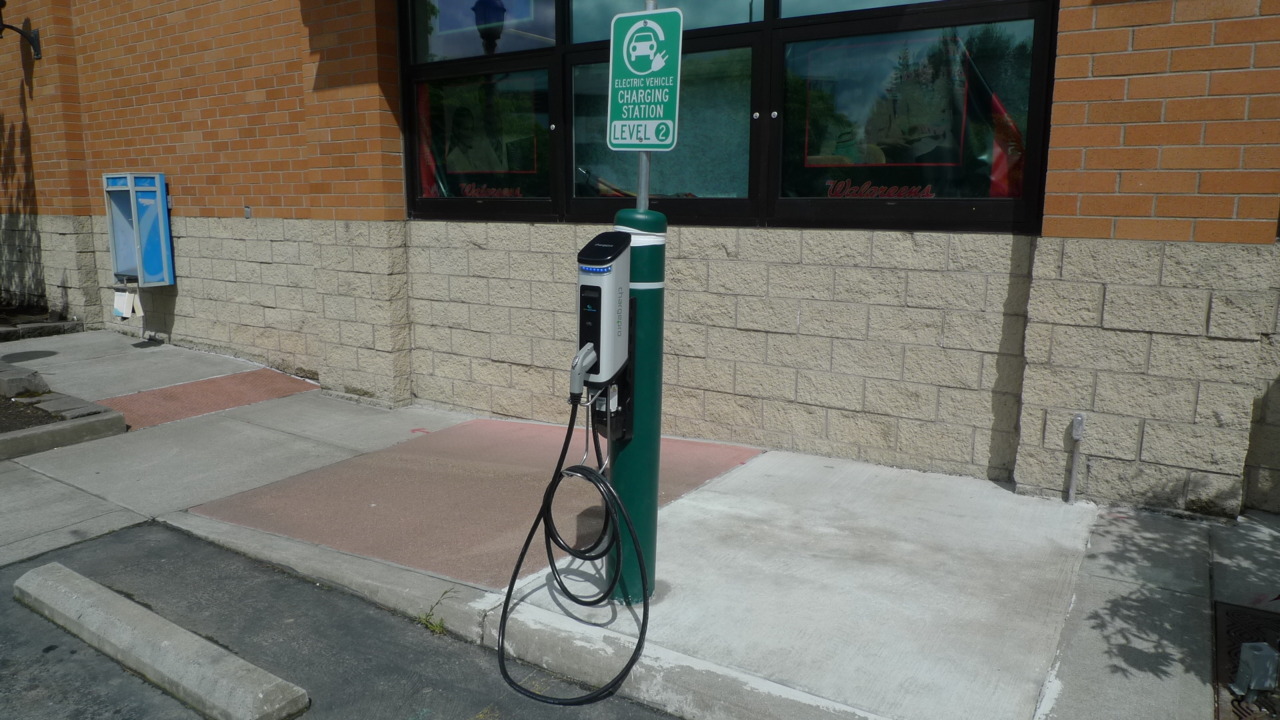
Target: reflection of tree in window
{"points": [[914, 121], [470, 148]]}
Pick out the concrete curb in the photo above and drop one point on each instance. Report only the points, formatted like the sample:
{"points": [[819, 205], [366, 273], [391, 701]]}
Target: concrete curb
{"points": [[676, 683], [212, 680], [83, 427]]}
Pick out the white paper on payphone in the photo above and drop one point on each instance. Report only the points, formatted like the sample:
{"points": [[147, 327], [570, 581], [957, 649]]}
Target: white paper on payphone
{"points": [[123, 305]]}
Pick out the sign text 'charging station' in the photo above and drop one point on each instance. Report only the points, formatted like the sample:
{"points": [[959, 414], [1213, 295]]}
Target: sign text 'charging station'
{"points": [[644, 79]]}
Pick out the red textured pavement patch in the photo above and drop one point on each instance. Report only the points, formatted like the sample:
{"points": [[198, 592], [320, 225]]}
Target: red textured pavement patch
{"points": [[153, 407], [457, 502]]}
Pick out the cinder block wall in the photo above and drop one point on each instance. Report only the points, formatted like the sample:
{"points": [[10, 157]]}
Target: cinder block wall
{"points": [[1165, 131], [895, 348]]}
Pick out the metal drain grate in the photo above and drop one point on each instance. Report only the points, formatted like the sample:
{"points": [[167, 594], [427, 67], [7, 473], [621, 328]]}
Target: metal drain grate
{"points": [[1234, 625]]}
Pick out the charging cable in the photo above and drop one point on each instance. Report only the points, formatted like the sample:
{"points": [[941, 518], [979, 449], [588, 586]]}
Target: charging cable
{"points": [[607, 543]]}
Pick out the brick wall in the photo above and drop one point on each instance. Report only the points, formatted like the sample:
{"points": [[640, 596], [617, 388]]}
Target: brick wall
{"points": [[1166, 121]]}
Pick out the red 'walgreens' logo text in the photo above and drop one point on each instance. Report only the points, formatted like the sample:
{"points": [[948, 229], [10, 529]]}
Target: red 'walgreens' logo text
{"points": [[846, 189], [474, 190]]}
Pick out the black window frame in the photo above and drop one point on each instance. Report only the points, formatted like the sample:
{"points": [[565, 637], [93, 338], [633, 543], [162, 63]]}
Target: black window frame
{"points": [[764, 206]]}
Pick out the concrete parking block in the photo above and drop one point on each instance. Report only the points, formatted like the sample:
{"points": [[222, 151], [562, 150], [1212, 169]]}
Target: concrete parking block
{"points": [[215, 682]]}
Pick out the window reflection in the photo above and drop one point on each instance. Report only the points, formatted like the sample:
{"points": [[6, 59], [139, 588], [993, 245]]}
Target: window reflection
{"points": [[930, 113], [484, 136], [450, 29], [712, 155], [798, 8], [591, 18]]}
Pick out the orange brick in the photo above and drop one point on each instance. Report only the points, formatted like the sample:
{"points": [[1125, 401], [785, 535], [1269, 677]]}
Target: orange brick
{"points": [[1159, 181], [1085, 227], [1258, 132], [1264, 107], [1066, 159], [1121, 158], [1072, 19], [1244, 82], [1225, 108], [1240, 182], [1252, 30], [1081, 182], [1266, 55], [1231, 57], [1061, 204], [1261, 158], [1131, 63], [1168, 86], [1085, 136], [1236, 231], [1195, 206], [1131, 14], [1092, 42], [1153, 229], [1126, 112], [1173, 36], [1215, 10], [1164, 134], [1258, 207], [1180, 158], [1117, 205], [1087, 90], [1072, 66], [1069, 113]]}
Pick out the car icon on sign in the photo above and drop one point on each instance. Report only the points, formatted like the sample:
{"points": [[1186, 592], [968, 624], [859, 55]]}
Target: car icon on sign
{"points": [[644, 43]]}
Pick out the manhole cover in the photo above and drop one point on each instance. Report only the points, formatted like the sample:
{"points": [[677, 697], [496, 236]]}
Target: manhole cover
{"points": [[1234, 625]]}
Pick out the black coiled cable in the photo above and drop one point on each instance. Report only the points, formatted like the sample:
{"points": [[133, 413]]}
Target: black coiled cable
{"points": [[615, 517]]}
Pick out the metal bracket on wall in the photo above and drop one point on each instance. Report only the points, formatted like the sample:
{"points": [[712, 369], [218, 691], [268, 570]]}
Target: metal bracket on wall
{"points": [[31, 36]]}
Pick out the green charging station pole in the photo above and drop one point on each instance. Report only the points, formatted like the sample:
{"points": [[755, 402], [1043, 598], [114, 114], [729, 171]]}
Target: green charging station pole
{"points": [[644, 91]]}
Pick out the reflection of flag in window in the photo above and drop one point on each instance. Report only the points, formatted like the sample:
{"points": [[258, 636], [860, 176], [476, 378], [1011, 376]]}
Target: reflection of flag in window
{"points": [[1007, 153], [429, 181]]}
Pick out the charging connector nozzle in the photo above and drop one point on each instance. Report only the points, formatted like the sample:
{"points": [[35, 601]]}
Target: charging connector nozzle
{"points": [[582, 363]]}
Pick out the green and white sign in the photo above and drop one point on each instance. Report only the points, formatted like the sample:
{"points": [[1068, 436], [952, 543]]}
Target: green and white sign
{"points": [[644, 79]]}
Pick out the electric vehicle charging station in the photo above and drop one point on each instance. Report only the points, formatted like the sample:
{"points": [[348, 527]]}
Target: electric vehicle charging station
{"points": [[618, 366]]}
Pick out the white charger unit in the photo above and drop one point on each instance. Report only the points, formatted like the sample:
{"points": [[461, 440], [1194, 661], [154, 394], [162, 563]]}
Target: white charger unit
{"points": [[604, 290]]}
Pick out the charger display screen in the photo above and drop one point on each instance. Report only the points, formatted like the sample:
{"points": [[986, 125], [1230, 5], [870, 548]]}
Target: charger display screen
{"points": [[589, 320]]}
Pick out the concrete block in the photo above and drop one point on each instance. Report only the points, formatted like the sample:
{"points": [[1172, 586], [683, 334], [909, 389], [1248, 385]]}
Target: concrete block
{"points": [[901, 399], [1132, 262], [765, 381], [1042, 468], [1156, 309], [1195, 447], [984, 332], [942, 367], [729, 343], [556, 240], [770, 314], [874, 286], [799, 351], [909, 250], [1134, 483], [1066, 303], [16, 380], [775, 245], [708, 243], [980, 408], [867, 359], [1008, 294], [1145, 396], [511, 293], [1243, 315], [682, 275], [829, 390], [1215, 494], [215, 682], [738, 410], [906, 325], [704, 374], [936, 440], [1037, 342], [952, 291], [833, 319], [862, 429], [1226, 405], [835, 248], [801, 281], [1099, 349], [507, 236], [1047, 385], [990, 253], [1111, 436], [794, 419], [1262, 489], [1199, 358], [1221, 266]]}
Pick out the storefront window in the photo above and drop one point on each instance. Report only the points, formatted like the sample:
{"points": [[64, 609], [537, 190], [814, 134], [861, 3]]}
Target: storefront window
{"points": [[799, 8], [484, 137], [592, 18], [939, 113], [447, 30], [712, 154]]}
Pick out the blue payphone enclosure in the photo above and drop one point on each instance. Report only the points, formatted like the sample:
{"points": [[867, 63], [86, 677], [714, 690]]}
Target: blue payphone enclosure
{"points": [[138, 222]]}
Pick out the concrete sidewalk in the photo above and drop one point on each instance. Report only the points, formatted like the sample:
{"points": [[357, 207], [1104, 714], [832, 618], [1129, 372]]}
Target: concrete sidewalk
{"points": [[788, 586]]}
